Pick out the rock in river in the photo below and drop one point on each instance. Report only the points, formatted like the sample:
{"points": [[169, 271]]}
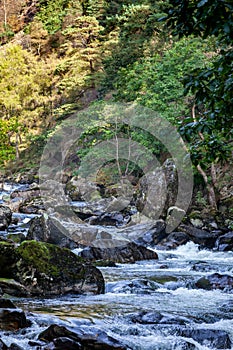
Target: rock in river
{"points": [[36, 268], [5, 217], [215, 281], [92, 339], [123, 254]]}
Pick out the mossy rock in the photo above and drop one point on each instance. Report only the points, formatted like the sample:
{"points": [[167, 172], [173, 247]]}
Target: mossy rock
{"points": [[46, 269]]}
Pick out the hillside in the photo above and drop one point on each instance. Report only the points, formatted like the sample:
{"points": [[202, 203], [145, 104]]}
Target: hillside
{"points": [[59, 57]]}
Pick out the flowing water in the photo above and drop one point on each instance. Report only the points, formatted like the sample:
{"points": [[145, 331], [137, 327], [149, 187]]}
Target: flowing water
{"points": [[165, 285]]}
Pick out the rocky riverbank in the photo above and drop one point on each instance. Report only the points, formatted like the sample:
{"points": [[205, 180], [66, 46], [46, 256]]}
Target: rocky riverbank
{"points": [[38, 262]]}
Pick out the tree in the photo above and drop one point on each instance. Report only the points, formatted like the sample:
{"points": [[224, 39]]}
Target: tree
{"points": [[208, 128], [156, 81], [81, 57], [25, 91], [137, 32]]}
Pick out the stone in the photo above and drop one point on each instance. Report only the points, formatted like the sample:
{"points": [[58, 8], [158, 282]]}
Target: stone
{"points": [[33, 205], [3, 345], [36, 268], [203, 238], [122, 254], [225, 242], [144, 317], [7, 304], [5, 217], [216, 339], [12, 319], [14, 346], [48, 230], [215, 281], [93, 339], [135, 286], [152, 234]]}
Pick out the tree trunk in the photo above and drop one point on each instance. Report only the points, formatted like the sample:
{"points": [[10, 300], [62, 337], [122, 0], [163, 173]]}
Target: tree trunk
{"points": [[209, 186]]}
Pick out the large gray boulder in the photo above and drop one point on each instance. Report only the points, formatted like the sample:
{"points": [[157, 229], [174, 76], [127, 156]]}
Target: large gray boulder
{"points": [[128, 253]]}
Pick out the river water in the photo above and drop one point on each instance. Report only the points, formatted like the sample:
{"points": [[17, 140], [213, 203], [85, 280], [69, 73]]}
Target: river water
{"points": [[165, 285]]}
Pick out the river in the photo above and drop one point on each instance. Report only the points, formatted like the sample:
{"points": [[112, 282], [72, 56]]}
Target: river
{"points": [[164, 286]]}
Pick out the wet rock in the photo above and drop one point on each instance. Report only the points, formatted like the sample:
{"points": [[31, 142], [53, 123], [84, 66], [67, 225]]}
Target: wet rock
{"points": [[136, 286], [215, 281], [44, 269], [26, 193], [147, 317], [152, 235], [201, 266], [184, 345], [80, 189], [3, 345], [109, 219], [14, 346], [92, 339], [11, 287], [5, 217], [203, 238], [225, 242], [7, 304], [123, 254], [12, 319], [155, 317], [216, 339], [44, 229], [174, 240], [63, 343], [33, 205]]}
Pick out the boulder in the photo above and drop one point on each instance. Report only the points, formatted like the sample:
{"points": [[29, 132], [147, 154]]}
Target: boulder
{"points": [[215, 281], [109, 219], [225, 242], [3, 345], [12, 319], [92, 339], [48, 230], [36, 268], [14, 346], [5, 217], [80, 189], [135, 286], [173, 240], [122, 254], [212, 338], [203, 238], [158, 190], [33, 205], [152, 234], [155, 317]]}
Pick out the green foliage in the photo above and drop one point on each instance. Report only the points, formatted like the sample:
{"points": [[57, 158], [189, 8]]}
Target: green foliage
{"points": [[8, 129], [156, 81], [82, 57], [24, 95], [201, 18], [210, 128], [52, 13], [137, 31]]}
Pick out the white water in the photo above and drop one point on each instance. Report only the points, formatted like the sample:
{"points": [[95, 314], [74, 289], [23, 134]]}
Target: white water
{"points": [[174, 296]]}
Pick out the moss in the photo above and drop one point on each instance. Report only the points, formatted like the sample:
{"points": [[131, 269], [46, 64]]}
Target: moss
{"points": [[164, 279], [49, 259]]}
